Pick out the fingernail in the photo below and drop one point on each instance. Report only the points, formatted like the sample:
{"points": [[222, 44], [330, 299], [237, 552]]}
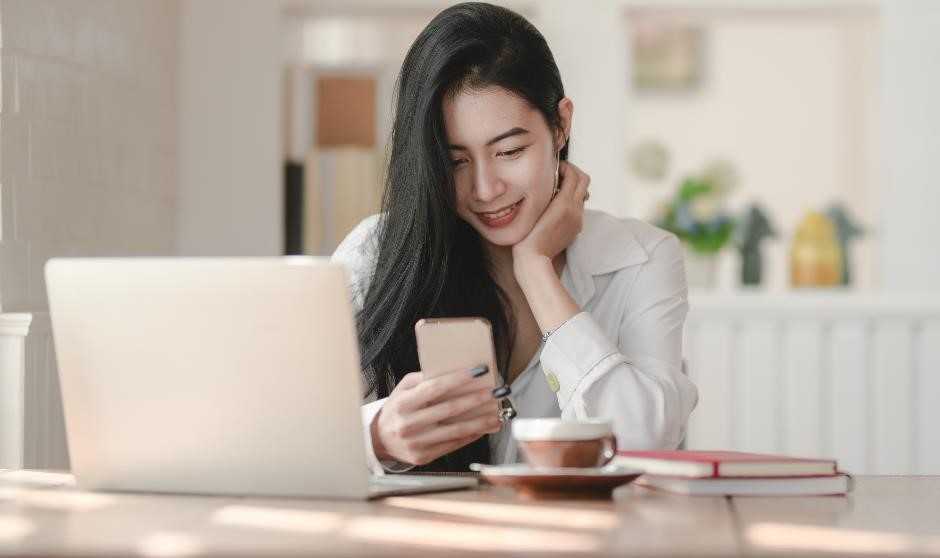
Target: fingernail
{"points": [[501, 391], [479, 371]]}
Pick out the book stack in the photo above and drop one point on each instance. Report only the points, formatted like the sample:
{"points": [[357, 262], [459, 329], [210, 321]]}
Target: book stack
{"points": [[732, 473]]}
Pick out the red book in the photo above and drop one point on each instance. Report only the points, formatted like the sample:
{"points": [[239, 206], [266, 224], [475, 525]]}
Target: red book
{"points": [[704, 464]]}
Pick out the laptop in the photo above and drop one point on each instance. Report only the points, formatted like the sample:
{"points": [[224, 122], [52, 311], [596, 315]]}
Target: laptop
{"points": [[224, 376]]}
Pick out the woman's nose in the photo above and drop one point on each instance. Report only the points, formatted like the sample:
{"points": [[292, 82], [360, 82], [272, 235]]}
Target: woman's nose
{"points": [[487, 184]]}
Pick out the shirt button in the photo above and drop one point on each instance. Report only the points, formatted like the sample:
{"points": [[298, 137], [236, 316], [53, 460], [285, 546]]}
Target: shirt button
{"points": [[552, 380]]}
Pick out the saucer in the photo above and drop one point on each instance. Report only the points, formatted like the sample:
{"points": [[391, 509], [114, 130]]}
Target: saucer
{"points": [[560, 482]]}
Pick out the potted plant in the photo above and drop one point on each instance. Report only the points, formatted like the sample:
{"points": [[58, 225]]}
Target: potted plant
{"points": [[697, 216]]}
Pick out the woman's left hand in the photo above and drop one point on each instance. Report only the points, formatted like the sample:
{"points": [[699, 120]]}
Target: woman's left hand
{"points": [[560, 223]]}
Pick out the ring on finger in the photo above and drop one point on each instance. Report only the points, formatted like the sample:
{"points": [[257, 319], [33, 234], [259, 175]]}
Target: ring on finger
{"points": [[506, 414]]}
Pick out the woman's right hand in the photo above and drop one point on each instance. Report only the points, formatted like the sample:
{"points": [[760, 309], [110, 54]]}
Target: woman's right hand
{"points": [[412, 427]]}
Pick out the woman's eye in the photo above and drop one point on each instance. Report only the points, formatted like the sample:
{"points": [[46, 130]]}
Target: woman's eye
{"points": [[510, 152], [457, 163]]}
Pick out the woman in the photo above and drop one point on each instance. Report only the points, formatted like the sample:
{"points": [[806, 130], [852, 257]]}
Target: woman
{"points": [[484, 216]]}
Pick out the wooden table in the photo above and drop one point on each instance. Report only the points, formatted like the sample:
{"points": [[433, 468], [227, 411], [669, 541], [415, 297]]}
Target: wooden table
{"points": [[41, 514]]}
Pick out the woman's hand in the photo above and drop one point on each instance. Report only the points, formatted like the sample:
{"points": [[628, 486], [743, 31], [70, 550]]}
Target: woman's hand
{"points": [[560, 223], [533, 257], [413, 425]]}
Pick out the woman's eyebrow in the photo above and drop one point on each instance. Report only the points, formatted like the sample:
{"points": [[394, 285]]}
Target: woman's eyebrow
{"points": [[507, 134]]}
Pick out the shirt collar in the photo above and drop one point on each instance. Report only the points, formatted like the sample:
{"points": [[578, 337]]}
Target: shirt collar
{"points": [[606, 244]]}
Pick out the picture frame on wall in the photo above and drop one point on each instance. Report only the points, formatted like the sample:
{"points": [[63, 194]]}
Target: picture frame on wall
{"points": [[668, 56]]}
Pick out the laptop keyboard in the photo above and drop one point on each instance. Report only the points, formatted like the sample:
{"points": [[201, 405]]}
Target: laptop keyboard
{"points": [[403, 481], [381, 484]]}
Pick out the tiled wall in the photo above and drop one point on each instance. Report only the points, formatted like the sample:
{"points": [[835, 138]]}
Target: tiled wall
{"points": [[88, 121]]}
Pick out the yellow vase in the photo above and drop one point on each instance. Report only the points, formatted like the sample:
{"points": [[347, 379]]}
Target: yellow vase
{"points": [[816, 257]]}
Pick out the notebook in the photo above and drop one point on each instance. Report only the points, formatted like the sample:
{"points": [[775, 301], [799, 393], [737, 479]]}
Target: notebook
{"points": [[696, 463], [831, 485]]}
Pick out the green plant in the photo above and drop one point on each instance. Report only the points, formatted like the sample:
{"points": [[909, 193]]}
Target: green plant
{"points": [[696, 214]]}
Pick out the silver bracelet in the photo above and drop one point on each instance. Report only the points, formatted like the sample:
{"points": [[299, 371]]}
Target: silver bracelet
{"points": [[549, 333]]}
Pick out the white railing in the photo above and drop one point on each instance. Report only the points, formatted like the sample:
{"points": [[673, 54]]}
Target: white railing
{"points": [[822, 373], [13, 331], [32, 429]]}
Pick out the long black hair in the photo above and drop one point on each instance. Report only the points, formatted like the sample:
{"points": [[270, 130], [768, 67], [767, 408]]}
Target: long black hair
{"points": [[431, 263]]}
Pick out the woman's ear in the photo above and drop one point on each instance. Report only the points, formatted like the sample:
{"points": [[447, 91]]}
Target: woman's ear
{"points": [[565, 111]]}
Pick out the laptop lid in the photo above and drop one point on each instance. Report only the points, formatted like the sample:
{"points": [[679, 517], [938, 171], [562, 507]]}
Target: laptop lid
{"points": [[216, 376]]}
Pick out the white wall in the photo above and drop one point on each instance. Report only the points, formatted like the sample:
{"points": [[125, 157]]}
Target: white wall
{"points": [[88, 162], [910, 143], [88, 167], [590, 48], [230, 128]]}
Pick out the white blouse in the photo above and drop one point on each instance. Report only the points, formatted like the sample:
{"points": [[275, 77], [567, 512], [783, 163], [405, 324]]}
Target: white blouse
{"points": [[620, 359]]}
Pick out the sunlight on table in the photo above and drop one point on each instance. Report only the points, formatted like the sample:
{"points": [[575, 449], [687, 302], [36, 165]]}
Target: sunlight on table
{"points": [[59, 500], [413, 532], [14, 528], [295, 521], [38, 477], [167, 544], [571, 518], [483, 538], [782, 536]]}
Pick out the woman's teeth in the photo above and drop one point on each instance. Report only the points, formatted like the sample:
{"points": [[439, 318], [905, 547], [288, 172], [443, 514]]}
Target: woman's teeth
{"points": [[502, 213]]}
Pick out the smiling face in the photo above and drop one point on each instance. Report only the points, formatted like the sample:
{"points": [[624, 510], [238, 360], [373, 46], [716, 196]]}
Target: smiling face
{"points": [[504, 161]]}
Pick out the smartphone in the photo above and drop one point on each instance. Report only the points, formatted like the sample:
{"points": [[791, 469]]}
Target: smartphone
{"points": [[448, 343]]}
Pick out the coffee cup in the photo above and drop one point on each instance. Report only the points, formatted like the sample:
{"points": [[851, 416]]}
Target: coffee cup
{"points": [[555, 442]]}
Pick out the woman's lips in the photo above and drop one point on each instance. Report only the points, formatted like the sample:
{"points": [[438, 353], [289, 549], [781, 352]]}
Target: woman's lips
{"points": [[502, 217]]}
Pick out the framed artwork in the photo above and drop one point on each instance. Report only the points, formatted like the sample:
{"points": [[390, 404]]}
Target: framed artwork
{"points": [[667, 56]]}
